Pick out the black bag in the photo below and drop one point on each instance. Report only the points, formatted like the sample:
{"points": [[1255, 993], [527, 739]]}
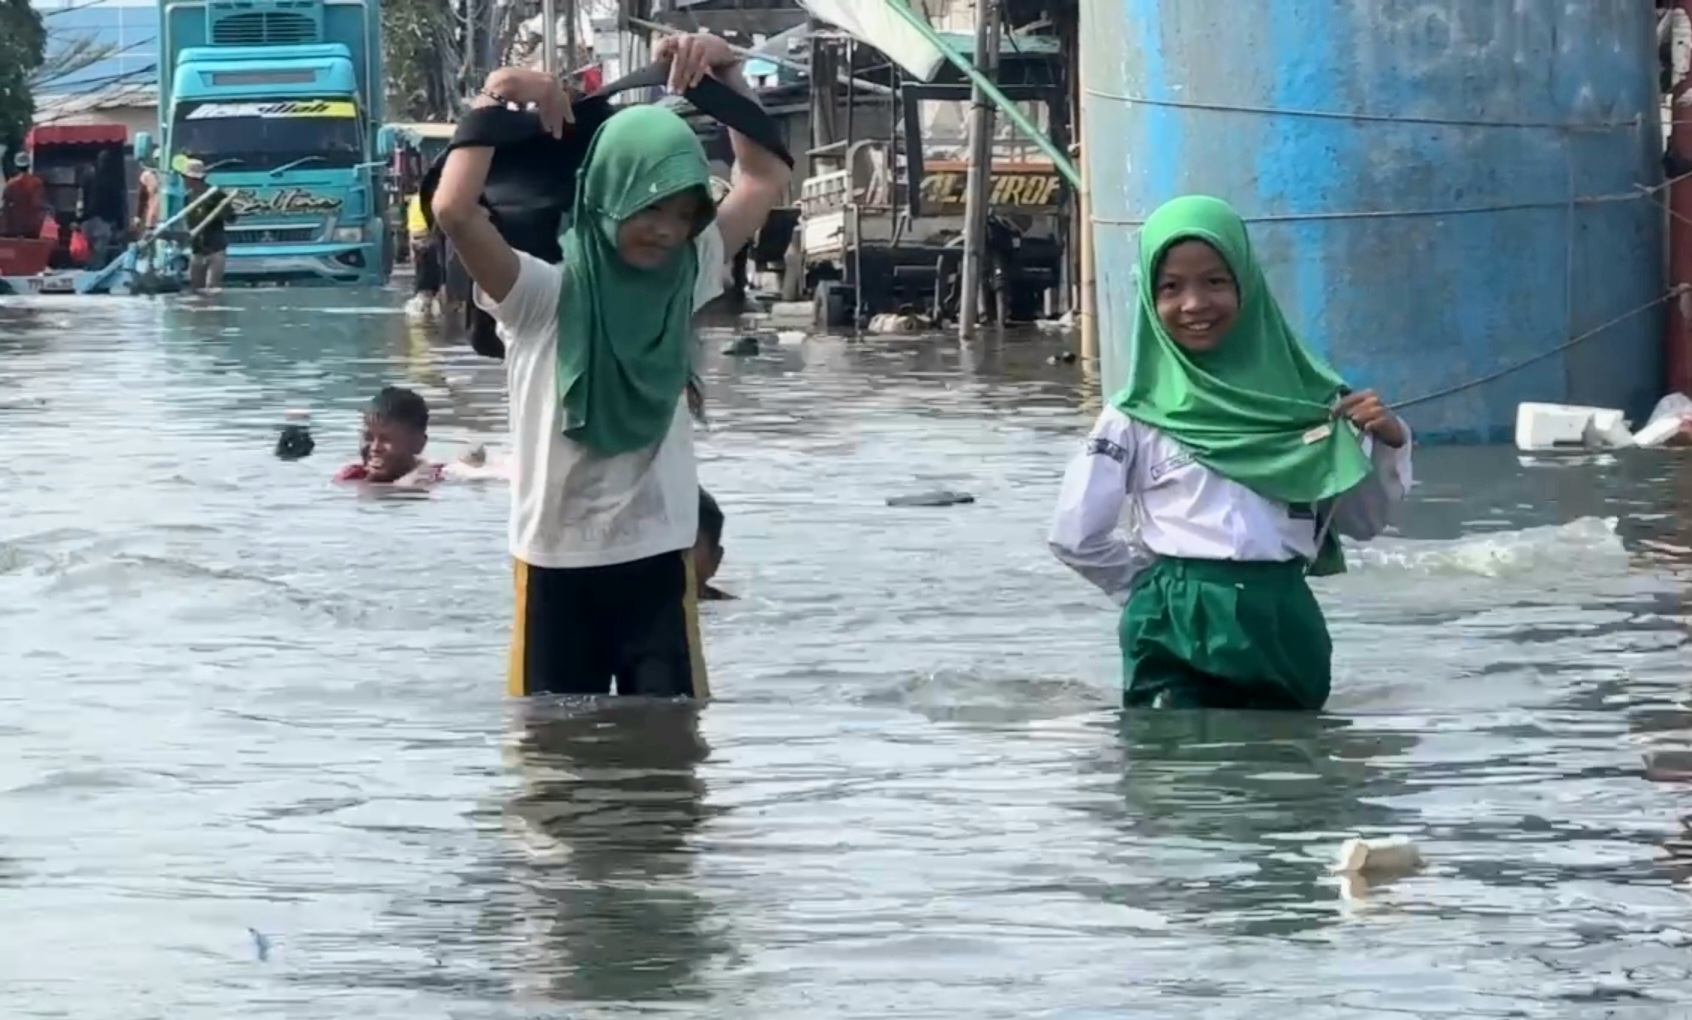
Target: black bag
{"points": [[531, 182]]}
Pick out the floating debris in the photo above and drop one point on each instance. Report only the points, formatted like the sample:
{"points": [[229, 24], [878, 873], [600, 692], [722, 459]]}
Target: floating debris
{"points": [[895, 323], [941, 497], [1378, 858], [742, 346], [295, 442]]}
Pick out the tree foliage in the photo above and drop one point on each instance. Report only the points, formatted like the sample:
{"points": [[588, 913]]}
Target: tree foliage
{"points": [[23, 47], [433, 57], [420, 39]]}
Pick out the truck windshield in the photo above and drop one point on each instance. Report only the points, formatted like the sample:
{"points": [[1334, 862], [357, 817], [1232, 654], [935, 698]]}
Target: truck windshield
{"points": [[265, 135]]}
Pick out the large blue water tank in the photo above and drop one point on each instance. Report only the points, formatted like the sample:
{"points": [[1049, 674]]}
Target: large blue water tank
{"points": [[1437, 188]]}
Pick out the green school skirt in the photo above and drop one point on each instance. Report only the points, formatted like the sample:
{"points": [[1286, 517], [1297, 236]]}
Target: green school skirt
{"points": [[1225, 634]]}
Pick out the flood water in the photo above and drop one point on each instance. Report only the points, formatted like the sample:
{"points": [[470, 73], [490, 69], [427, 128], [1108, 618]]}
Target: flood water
{"points": [[256, 761]]}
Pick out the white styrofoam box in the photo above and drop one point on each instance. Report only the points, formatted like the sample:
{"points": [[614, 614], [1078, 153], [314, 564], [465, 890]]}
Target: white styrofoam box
{"points": [[1569, 426], [1658, 431], [1608, 430]]}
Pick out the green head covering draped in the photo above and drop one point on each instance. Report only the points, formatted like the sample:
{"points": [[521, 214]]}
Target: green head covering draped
{"points": [[624, 332], [1256, 408]]}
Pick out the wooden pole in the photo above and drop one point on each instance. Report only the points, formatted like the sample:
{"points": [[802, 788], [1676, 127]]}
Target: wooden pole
{"points": [[1089, 322], [980, 169], [571, 60], [549, 37]]}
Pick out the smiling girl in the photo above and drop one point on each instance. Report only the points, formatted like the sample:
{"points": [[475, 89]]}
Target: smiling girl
{"points": [[1242, 455]]}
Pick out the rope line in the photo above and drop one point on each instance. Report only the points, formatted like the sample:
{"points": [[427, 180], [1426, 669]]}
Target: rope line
{"points": [[1384, 214], [1358, 115], [1657, 193], [1514, 367], [1639, 191]]}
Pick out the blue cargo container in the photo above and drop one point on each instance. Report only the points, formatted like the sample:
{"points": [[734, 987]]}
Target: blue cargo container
{"points": [[1438, 188]]}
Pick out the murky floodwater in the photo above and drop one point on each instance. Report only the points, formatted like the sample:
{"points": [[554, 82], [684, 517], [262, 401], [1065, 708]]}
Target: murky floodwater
{"points": [[255, 760]]}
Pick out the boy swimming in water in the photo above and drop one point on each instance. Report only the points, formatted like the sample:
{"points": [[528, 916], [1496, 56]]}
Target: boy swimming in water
{"points": [[1243, 455], [390, 451]]}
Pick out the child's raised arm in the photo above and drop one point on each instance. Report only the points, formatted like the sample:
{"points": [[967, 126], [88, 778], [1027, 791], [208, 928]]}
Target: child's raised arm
{"points": [[1086, 535], [488, 258]]}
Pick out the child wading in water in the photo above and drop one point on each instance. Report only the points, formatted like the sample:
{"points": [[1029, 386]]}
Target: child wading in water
{"points": [[605, 487], [1243, 455]]}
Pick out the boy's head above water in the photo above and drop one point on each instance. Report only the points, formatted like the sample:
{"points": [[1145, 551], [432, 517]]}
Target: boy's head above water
{"points": [[396, 428], [708, 544]]}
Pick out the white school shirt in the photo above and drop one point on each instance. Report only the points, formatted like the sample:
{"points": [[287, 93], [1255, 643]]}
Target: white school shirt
{"points": [[1183, 509], [570, 507]]}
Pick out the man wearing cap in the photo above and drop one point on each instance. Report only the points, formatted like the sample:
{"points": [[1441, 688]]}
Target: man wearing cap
{"points": [[208, 246]]}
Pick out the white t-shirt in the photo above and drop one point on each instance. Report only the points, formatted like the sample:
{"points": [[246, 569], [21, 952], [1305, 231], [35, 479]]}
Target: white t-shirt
{"points": [[570, 507]]}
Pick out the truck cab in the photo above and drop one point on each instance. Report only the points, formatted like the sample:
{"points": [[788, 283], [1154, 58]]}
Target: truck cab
{"points": [[281, 100]]}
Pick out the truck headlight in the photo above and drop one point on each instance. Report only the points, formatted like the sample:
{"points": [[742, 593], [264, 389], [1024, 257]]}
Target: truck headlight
{"points": [[348, 235]]}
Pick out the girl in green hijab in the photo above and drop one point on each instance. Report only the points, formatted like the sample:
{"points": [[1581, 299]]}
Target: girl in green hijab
{"points": [[1242, 456], [625, 311], [598, 353]]}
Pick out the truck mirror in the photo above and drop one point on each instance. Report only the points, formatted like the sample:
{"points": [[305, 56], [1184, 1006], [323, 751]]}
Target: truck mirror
{"points": [[143, 145], [385, 143]]}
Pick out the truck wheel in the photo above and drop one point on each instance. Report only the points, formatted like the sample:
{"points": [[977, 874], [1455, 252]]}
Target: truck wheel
{"points": [[831, 304]]}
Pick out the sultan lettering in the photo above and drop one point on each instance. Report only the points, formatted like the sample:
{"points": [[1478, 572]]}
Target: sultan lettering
{"points": [[284, 201]]}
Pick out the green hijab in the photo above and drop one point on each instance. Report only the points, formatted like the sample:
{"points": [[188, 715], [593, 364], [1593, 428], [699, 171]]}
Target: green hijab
{"points": [[624, 332], [1257, 408]]}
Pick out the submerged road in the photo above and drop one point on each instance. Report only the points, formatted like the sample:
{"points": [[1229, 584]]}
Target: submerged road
{"points": [[256, 762]]}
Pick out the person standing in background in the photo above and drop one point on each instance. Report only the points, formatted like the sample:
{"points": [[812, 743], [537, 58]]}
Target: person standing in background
{"points": [[23, 203], [146, 200], [425, 261], [207, 223]]}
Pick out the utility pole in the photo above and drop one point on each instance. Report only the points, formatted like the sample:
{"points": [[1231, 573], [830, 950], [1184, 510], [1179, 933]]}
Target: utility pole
{"points": [[549, 37], [1089, 319], [472, 80], [571, 60], [980, 167]]}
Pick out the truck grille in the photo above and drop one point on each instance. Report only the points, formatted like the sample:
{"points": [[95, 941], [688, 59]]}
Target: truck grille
{"points": [[273, 235], [263, 28]]}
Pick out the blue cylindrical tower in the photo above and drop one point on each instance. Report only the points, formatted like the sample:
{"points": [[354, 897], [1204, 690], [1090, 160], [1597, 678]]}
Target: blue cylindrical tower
{"points": [[1438, 188]]}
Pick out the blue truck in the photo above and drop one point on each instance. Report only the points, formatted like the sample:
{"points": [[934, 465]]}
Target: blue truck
{"points": [[282, 100]]}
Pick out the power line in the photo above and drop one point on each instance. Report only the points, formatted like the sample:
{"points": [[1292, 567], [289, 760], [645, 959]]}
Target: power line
{"points": [[107, 80]]}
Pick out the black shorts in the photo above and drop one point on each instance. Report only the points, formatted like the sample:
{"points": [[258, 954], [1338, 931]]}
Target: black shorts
{"points": [[426, 267], [577, 629]]}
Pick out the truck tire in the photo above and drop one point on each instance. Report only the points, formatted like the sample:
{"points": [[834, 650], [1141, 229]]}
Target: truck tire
{"points": [[832, 305]]}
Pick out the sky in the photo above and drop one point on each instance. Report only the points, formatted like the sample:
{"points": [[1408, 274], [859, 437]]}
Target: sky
{"points": [[131, 27]]}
